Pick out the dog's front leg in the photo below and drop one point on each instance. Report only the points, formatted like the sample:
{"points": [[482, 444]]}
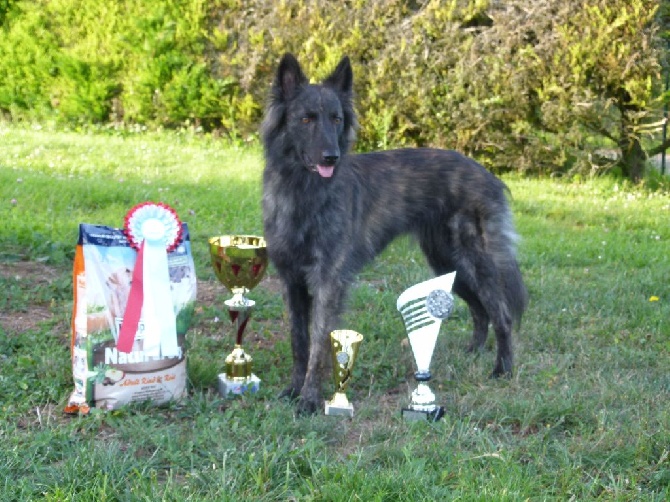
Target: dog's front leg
{"points": [[298, 303], [326, 307]]}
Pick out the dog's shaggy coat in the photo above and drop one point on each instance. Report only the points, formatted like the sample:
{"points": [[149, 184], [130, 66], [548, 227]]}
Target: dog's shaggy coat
{"points": [[327, 213]]}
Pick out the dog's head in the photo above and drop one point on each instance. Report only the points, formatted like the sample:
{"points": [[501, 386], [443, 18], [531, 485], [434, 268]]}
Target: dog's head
{"points": [[316, 123]]}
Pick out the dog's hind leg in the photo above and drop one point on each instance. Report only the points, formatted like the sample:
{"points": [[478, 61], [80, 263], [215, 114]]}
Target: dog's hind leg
{"points": [[461, 247], [489, 291], [298, 303], [483, 279]]}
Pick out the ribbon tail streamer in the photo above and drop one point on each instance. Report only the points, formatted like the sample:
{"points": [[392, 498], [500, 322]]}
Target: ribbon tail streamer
{"points": [[160, 324], [131, 317]]}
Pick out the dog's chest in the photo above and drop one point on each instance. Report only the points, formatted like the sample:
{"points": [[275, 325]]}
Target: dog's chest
{"points": [[303, 227]]}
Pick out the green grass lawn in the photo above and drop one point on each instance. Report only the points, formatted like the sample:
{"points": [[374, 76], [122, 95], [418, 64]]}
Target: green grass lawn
{"points": [[585, 417]]}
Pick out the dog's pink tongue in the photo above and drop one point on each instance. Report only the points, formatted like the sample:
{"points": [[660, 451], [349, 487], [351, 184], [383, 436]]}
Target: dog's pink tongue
{"points": [[325, 171]]}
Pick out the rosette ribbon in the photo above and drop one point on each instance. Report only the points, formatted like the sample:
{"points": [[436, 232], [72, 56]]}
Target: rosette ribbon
{"points": [[153, 230]]}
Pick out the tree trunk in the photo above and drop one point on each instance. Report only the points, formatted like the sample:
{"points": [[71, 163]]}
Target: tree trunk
{"points": [[633, 159]]}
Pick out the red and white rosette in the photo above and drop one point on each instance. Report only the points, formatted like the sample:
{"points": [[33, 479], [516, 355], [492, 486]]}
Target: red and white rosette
{"points": [[153, 229]]}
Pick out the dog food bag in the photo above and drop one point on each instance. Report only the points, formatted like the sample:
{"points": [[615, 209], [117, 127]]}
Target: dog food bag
{"points": [[104, 376]]}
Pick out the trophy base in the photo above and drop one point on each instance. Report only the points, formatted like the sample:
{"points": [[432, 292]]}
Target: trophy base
{"points": [[339, 406], [432, 415], [342, 411], [237, 387]]}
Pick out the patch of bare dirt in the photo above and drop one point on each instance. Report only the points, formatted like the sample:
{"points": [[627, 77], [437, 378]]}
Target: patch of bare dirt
{"points": [[28, 275], [43, 416], [29, 270], [31, 318]]}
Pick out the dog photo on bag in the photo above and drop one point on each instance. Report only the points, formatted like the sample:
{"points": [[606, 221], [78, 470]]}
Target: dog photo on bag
{"points": [[328, 212]]}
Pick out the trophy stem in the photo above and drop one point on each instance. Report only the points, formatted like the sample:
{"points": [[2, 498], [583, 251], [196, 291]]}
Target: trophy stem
{"points": [[422, 405], [239, 376], [238, 364], [422, 376], [239, 310]]}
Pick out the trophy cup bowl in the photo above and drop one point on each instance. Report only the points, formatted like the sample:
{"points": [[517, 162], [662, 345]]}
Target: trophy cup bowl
{"points": [[344, 344], [423, 307], [239, 262]]}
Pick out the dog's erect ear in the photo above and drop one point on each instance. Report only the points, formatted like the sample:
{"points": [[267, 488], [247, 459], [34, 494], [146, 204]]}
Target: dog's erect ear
{"points": [[342, 78], [289, 76]]}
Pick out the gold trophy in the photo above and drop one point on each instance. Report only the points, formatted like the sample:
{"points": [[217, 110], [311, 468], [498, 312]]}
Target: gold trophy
{"points": [[239, 261], [344, 344], [423, 307]]}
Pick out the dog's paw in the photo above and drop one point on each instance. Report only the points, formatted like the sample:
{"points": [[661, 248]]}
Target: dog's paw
{"points": [[500, 372], [306, 407]]}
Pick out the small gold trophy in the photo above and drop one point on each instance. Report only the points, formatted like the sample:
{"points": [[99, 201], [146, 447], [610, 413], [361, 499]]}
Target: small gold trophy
{"points": [[239, 261], [344, 344], [423, 307]]}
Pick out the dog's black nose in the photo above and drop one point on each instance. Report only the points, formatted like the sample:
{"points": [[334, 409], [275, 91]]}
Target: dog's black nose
{"points": [[329, 158]]}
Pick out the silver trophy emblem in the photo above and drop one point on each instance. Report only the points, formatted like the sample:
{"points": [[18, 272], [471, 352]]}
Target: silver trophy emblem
{"points": [[423, 308]]}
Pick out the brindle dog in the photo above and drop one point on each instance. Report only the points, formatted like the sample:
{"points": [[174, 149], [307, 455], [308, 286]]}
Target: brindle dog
{"points": [[328, 212]]}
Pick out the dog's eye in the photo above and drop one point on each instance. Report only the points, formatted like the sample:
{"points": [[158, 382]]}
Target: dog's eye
{"points": [[337, 119], [306, 120]]}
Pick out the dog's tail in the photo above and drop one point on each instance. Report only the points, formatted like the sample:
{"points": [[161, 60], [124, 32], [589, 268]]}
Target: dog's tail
{"points": [[514, 289], [516, 295]]}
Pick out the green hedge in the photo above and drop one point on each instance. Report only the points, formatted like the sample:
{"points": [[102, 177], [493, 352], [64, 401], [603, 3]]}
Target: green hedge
{"points": [[464, 74], [210, 62]]}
